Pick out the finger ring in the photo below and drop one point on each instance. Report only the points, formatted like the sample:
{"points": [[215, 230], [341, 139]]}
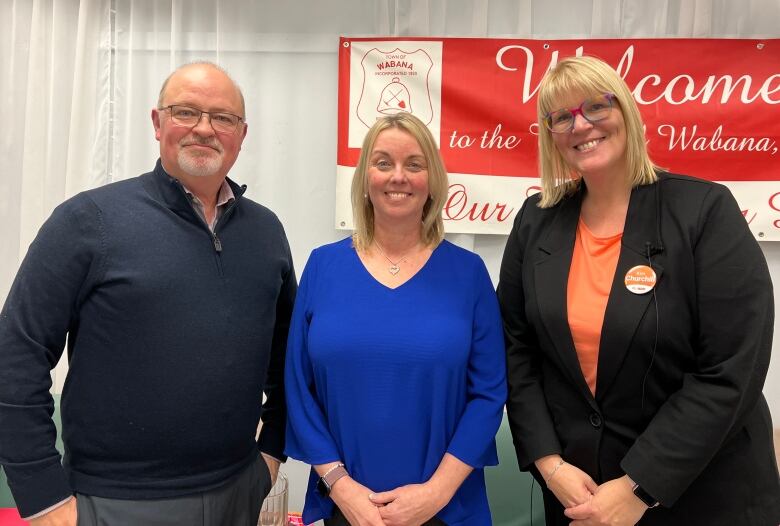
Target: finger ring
{"points": [[370, 496]]}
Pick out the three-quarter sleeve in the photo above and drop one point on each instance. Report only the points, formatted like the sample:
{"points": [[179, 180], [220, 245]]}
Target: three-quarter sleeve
{"points": [[473, 441], [308, 437]]}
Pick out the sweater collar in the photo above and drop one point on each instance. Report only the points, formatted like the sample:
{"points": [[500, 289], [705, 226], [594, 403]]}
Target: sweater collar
{"points": [[170, 191]]}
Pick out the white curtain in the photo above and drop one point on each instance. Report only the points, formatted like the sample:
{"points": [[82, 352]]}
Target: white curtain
{"points": [[78, 80]]}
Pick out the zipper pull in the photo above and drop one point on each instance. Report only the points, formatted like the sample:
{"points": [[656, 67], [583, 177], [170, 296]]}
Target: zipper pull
{"points": [[217, 243]]}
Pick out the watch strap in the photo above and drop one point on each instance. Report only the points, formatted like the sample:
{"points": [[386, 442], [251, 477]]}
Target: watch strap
{"points": [[326, 481], [644, 496], [334, 474]]}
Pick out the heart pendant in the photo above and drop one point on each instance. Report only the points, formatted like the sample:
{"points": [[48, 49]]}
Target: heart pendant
{"points": [[395, 269]]}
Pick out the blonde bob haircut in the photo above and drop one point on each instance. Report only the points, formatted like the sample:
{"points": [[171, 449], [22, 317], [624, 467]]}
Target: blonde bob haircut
{"points": [[432, 225], [588, 76]]}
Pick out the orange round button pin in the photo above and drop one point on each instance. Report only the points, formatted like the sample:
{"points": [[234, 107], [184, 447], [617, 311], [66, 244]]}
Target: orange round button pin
{"points": [[640, 279]]}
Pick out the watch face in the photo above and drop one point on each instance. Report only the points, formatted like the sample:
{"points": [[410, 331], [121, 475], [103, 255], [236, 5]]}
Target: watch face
{"points": [[645, 496], [322, 487]]}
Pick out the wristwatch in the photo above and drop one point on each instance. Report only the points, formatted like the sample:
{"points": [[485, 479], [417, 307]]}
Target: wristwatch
{"points": [[325, 484], [644, 496]]}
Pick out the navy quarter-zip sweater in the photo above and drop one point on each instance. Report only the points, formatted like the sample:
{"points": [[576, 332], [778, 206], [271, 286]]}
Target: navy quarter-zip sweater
{"points": [[173, 333]]}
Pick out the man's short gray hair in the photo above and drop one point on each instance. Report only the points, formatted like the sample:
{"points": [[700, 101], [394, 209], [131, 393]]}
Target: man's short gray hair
{"points": [[207, 64]]}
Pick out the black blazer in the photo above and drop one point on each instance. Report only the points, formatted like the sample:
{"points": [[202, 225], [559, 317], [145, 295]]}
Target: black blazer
{"points": [[678, 404]]}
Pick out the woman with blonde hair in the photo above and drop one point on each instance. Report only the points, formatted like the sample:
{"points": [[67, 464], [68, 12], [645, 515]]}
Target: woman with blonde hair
{"points": [[395, 366], [638, 318]]}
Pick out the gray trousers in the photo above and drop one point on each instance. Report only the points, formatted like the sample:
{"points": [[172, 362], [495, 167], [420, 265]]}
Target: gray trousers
{"points": [[236, 503]]}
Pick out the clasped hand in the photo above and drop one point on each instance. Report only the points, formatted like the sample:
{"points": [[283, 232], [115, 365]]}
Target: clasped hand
{"points": [[409, 505], [571, 486], [612, 503], [352, 499]]}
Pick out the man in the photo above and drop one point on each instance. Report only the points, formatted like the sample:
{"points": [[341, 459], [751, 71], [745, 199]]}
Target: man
{"points": [[175, 294]]}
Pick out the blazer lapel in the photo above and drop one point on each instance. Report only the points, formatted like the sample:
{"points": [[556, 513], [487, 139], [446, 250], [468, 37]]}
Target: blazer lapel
{"points": [[625, 309], [551, 273]]}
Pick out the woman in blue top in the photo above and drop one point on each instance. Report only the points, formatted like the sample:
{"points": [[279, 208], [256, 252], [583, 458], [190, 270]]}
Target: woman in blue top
{"points": [[395, 376]]}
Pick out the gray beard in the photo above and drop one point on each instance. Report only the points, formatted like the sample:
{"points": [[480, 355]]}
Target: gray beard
{"points": [[199, 166]]}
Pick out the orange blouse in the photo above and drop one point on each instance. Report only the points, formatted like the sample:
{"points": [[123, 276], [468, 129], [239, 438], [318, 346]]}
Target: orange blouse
{"points": [[592, 270]]}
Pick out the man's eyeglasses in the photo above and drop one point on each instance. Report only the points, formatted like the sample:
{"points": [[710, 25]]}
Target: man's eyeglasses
{"points": [[593, 110], [190, 117]]}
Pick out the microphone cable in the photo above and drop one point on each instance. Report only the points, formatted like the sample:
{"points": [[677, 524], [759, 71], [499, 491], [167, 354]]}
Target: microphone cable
{"points": [[657, 326]]}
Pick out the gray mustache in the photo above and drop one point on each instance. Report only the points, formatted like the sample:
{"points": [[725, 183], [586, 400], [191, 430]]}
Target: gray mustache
{"points": [[209, 143]]}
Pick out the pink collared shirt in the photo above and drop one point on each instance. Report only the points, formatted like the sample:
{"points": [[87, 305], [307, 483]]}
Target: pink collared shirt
{"points": [[224, 198]]}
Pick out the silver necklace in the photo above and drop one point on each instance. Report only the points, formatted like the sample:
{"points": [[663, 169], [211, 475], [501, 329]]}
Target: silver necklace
{"points": [[394, 268]]}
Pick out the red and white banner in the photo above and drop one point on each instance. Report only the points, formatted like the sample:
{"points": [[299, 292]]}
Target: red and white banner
{"points": [[711, 109]]}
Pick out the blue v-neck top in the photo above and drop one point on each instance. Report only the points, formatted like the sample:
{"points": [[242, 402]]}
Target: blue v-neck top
{"points": [[389, 380]]}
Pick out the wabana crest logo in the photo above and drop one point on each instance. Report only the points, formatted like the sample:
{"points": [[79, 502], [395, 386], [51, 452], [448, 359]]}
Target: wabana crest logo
{"points": [[395, 82]]}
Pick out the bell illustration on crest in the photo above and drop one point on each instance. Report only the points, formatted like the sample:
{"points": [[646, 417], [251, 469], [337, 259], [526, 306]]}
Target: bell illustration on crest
{"points": [[394, 98]]}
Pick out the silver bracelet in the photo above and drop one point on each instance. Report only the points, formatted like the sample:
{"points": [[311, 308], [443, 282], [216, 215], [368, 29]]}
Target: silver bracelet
{"points": [[554, 471]]}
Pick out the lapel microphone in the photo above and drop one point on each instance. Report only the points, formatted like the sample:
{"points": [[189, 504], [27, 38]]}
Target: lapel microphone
{"points": [[652, 250]]}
